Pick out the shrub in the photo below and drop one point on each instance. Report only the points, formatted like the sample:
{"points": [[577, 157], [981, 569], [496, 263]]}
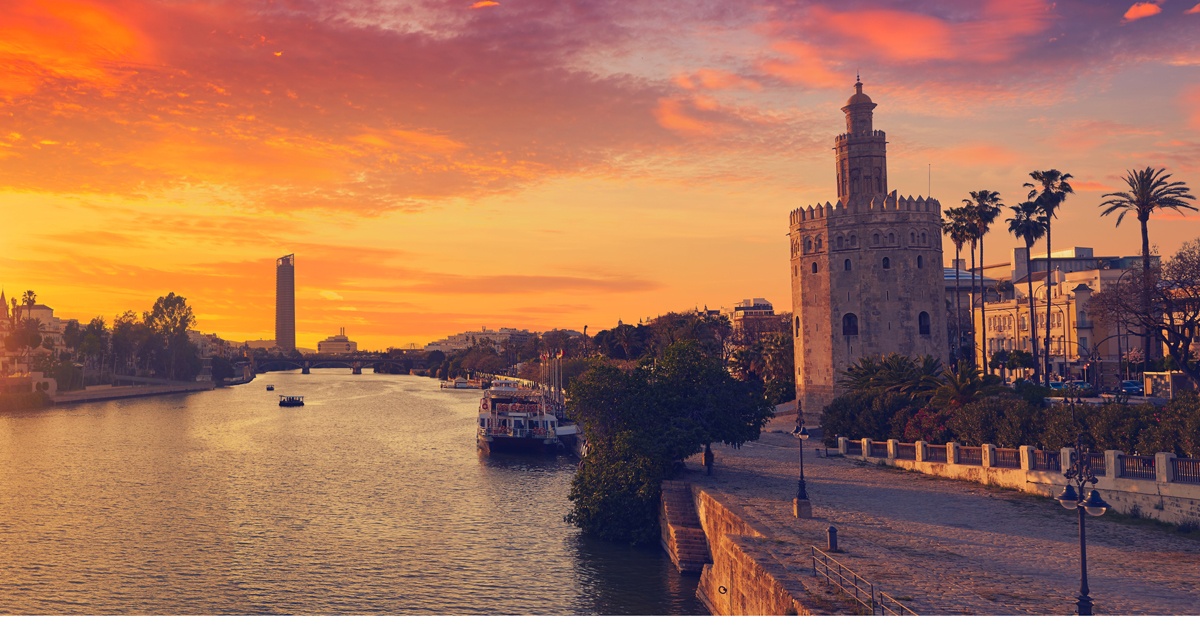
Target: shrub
{"points": [[927, 425]]}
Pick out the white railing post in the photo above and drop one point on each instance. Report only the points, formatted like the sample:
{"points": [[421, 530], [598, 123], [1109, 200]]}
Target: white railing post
{"points": [[922, 454], [866, 448], [987, 454], [893, 448], [1112, 463], [1064, 458], [1025, 452], [951, 453], [1163, 469], [843, 445]]}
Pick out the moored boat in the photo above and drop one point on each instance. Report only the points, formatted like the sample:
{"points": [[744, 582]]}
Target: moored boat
{"points": [[515, 419], [270, 387], [291, 400]]}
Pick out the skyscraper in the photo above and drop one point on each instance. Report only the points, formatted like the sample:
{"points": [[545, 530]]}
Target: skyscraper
{"points": [[285, 303]]}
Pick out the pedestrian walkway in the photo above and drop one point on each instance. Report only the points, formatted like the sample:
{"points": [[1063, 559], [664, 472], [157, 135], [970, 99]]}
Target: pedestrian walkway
{"points": [[948, 547]]}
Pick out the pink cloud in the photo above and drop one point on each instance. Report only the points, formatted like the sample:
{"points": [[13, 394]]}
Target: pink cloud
{"points": [[1193, 11], [1191, 106], [1140, 10], [484, 3]]}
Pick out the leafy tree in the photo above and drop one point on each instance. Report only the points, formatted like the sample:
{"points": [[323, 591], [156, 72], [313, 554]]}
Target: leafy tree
{"points": [[1149, 191], [1049, 192]]}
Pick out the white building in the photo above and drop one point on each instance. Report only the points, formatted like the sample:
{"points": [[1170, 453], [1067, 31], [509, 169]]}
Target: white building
{"points": [[337, 344], [466, 340]]}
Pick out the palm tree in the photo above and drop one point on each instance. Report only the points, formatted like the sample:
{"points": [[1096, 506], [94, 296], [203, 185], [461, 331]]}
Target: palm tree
{"points": [[1029, 224], [955, 226], [966, 385], [28, 300], [1148, 192], [985, 207], [1049, 193]]}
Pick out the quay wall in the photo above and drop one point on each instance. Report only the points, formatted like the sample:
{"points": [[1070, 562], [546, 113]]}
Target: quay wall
{"points": [[745, 578], [124, 392]]}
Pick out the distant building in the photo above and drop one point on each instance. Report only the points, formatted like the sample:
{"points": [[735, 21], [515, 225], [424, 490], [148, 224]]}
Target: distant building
{"points": [[867, 275], [467, 340], [260, 344], [285, 303], [337, 344], [754, 318]]}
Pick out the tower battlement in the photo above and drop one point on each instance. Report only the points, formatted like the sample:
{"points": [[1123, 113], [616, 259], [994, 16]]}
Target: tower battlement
{"points": [[874, 204]]}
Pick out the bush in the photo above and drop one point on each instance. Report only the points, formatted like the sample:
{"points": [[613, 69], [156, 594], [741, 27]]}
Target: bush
{"points": [[927, 425], [867, 414]]}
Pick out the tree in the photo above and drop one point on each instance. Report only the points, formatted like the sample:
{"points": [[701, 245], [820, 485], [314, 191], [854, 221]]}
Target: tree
{"points": [[1029, 225], [1149, 190], [959, 388], [640, 423], [955, 225], [1049, 193], [1173, 313], [169, 321], [985, 208]]}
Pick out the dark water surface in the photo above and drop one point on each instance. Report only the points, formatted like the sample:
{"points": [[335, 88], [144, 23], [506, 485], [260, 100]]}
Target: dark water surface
{"points": [[371, 499]]}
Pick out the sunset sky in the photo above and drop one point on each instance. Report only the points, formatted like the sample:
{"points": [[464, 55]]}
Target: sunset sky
{"points": [[441, 166]]}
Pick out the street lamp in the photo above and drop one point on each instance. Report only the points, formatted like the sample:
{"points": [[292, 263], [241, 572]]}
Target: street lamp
{"points": [[1080, 472], [801, 508]]}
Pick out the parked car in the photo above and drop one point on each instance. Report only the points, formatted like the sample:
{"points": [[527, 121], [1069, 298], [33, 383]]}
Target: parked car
{"points": [[1082, 386], [1132, 387], [1056, 386]]}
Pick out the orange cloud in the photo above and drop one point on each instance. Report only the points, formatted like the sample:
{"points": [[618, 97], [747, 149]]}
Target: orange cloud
{"points": [[1191, 106], [803, 65], [1140, 10], [715, 80], [75, 40], [1193, 11], [674, 114], [484, 3]]}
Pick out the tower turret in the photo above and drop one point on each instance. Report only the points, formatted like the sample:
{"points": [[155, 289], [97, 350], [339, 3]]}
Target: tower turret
{"points": [[861, 152]]}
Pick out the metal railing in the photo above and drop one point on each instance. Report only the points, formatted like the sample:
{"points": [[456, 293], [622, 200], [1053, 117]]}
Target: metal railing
{"points": [[1047, 461], [879, 449], [888, 606], [1099, 466], [855, 587], [935, 453], [1187, 470], [970, 455], [906, 451], [1007, 458], [1136, 467], [849, 582]]}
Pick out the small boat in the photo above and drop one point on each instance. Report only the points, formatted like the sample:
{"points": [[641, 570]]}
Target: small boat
{"points": [[270, 387], [515, 419], [291, 400], [458, 383]]}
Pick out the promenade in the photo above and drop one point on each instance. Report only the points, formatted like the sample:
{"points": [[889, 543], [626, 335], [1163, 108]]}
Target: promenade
{"points": [[104, 393], [946, 547]]}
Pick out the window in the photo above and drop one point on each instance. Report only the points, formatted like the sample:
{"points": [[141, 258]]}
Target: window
{"points": [[818, 242], [920, 262], [887, 263], [922, 238], [814, 268], [912, 238], [847, 264], [807, 245], [850, 325], [923, 322], [875, 239], [797, 319], [891, 238], [841, 242], [853, 240], [483, 423]]}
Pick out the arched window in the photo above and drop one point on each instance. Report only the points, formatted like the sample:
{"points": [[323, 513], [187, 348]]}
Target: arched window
{"points": [[841, 242], [850, 325], [891, 238], [875, 239], [922, 238], [807, 245], [814, 268], [854, 240], [920, 262], [887, 263], [797, 319], [818, 242], [912, 238], [923, 322], [847, 264]]}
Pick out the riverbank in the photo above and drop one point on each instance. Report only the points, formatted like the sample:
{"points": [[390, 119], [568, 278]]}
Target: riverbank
{"points": [[105, 393]]}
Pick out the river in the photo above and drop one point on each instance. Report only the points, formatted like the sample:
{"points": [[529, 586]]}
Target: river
{"points": [[370, 499]]}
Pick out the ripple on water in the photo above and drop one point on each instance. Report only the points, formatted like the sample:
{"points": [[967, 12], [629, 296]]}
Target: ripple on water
{"points": [[371, 499]]}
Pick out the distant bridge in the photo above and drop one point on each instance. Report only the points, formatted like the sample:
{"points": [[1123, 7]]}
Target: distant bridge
{"points": [[354, 362]]}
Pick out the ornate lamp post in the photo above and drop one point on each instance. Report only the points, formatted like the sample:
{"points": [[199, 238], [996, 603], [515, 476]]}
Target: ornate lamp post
{"points": [[1079, 475], [801, 506]]}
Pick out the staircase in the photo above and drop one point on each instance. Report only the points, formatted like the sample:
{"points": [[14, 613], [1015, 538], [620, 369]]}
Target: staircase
{"points": [[682, 537]]}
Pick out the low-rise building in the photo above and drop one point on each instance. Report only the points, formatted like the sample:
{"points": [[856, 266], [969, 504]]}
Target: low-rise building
{"points": [[466, 340], [337, 344]]}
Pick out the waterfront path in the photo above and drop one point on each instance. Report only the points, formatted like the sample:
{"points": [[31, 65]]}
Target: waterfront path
{"points": [[104, 393], [949, 547]]}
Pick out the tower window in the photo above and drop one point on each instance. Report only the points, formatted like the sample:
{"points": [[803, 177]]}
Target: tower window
{"points": [[923, 322], [922, 238], [920, 262], [853, 240], [807, 245], [887, 263], [797, 326], [814, 268], [841, 242], [912, 238], [891, 238], [850, 325], [847, 264], [818, 242], [875, 239]]}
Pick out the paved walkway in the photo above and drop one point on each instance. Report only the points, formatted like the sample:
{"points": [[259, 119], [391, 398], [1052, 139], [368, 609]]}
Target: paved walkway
{"points": [[949, 547]]}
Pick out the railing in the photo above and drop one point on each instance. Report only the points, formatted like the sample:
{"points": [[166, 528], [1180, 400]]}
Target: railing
{"points": [[854, 586], [906, 451], [1136, 467], [849, 582], [888, 606], [1007, 458], [935, 453], [1187, 470], [1099, 467], [1047, 461], [879, 449], [970, 455]]}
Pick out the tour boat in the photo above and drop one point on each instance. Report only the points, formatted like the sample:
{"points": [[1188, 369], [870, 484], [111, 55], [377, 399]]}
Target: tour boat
{"points": [[516, 419], [291, 400], [458, 383], [270, 387]]}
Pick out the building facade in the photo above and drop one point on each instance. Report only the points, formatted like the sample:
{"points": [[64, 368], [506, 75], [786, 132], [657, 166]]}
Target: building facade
{"points": [[867, 276], [285, 303], [337, 344], [755, 318]]}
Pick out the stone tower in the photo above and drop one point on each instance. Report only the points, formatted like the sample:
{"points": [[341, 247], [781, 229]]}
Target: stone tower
{"points": [[867, 274]]}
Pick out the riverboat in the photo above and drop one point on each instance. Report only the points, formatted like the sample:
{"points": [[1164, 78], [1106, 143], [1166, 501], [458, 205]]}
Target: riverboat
{"points": [[270, 387], [516, 419], [291, 400], [458, 383]]}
